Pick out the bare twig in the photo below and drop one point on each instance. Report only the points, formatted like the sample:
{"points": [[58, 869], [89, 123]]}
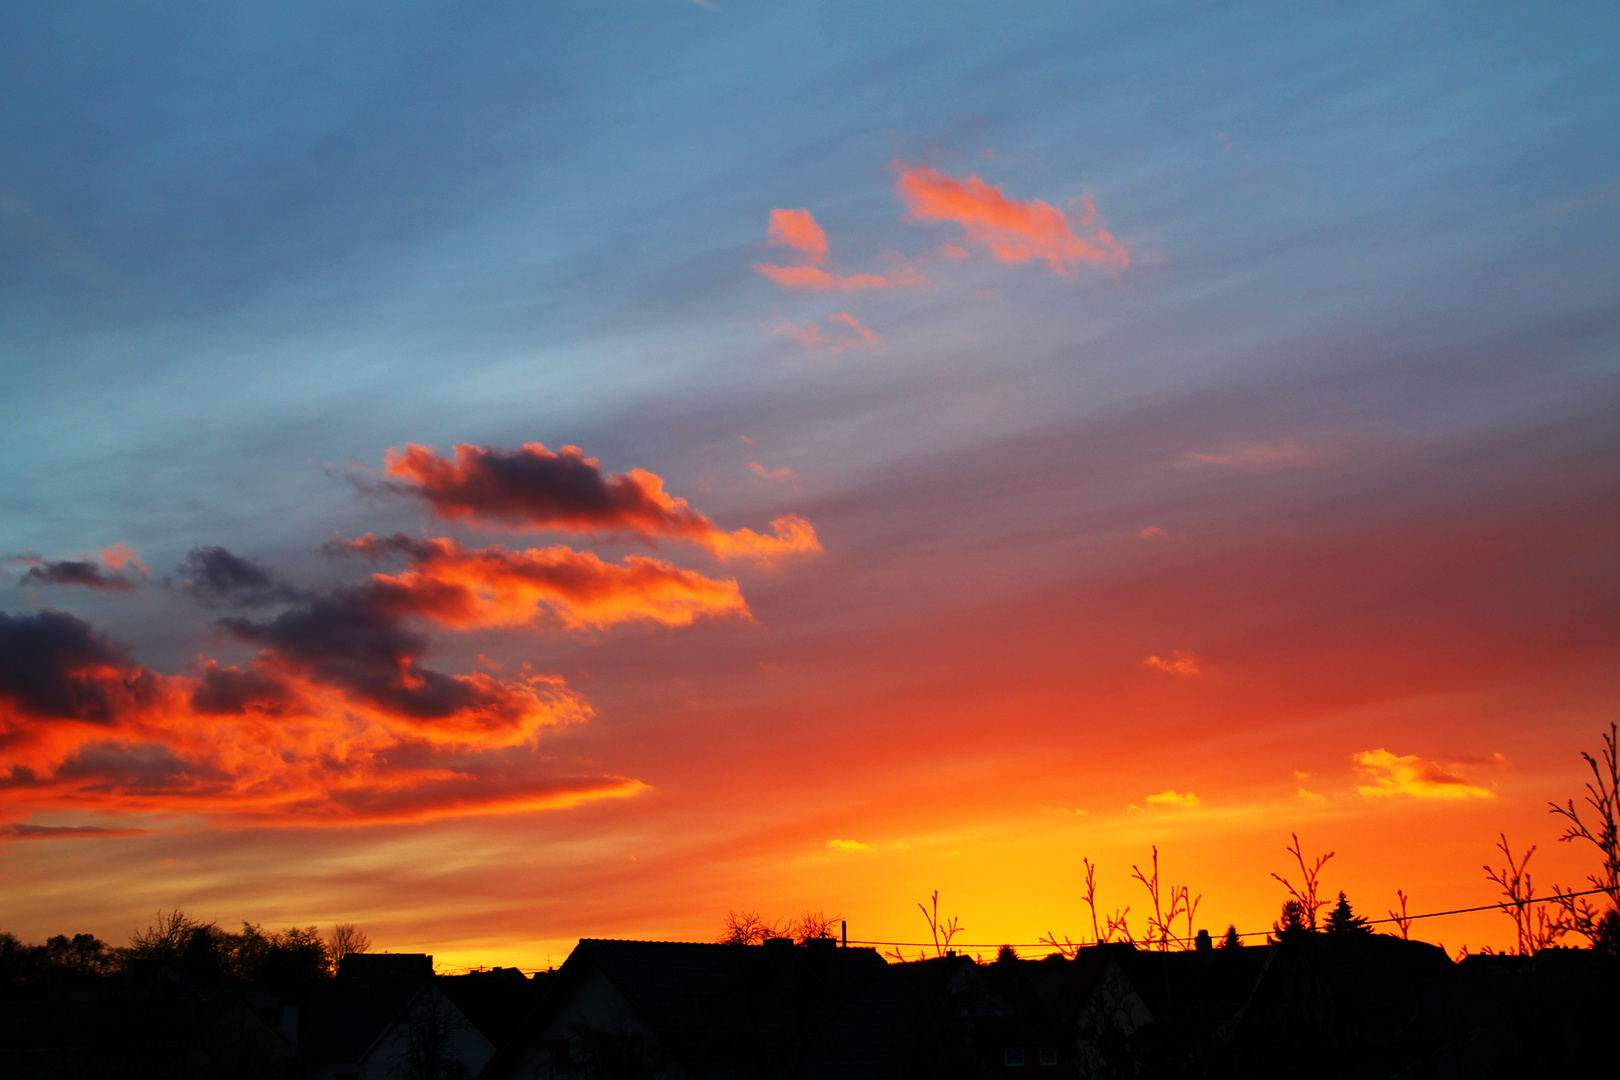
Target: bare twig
{"points": [[1603, 796], [1533, 929], [1307, 893], [1403, 921]]}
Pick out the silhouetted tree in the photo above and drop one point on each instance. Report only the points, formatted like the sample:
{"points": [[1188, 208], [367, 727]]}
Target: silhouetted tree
{"points": [[747, 928], [1179, 901], [283, 961], [1306, 894], [1533, 928], [1006, 954], [81, 955], [1579, 914], [1231, 940], [345, 939], [1402, 921], [1292, 920], [941, 928], [1342, 920], [813, 925], [430, 1026]]}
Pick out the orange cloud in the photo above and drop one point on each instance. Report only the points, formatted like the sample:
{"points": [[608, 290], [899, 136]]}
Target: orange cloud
{"points": [[848, 845], [536, 488], [285, 739], [1013, 230], [1150, 533], [1411, 775], [783, 473], [817, 279], [1182, 663], [1174, 798], [492, 586], [847, 333], [798, 230]]}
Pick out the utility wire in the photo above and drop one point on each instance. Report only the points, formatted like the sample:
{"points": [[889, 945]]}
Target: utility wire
{"points": [[1506, 905]]}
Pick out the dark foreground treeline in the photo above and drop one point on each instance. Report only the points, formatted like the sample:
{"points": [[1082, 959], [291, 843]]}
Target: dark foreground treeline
{"points": [[189, 1000], [1329, 1005]]}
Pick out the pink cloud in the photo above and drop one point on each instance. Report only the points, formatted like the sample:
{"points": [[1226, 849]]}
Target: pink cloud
{"points": [[1180, 663], [816, 279], [1014, 230], [783, 473], [797, 229], [845, 332]]}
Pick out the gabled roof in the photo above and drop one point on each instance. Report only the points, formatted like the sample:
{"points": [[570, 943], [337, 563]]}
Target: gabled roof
{"points": [[343, 1018], [722, 1010]]}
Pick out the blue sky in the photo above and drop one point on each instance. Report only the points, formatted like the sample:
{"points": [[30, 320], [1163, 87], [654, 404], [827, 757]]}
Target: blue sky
{"points": [[245, 247]]}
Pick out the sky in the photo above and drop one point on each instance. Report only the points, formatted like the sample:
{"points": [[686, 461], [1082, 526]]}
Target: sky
{"points": [[501, 473]]}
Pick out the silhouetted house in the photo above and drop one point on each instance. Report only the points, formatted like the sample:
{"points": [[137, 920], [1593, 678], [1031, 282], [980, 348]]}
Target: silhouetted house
{"points": [[1019, 1017], [1553, 1014], [495, 1001], [115, 1030], [384, 1016], [645, 1009]]}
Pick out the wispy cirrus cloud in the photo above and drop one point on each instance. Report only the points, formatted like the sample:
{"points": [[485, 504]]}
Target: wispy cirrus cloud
{"points": [[1185, 799], [784, 474], [532, 487], [1013, 230], [1179, 663], [1391, 774], [1258, 456], [816, 279], [844, 332]]}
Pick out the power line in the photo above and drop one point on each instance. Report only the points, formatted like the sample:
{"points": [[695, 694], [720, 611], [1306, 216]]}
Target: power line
{"points": [[1500, 906]]}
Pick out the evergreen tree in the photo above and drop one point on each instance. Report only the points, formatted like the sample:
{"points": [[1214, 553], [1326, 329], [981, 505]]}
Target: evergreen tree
{"points": [[1292, 920], [1344, 921], [1231, 940]]}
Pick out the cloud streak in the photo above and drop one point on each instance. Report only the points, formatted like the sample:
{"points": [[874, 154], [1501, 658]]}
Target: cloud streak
{"points": [[798, 230], [1389, 774], [108, 575], [1180, 663], [845, 332], [536, 488], [1014, 230]]}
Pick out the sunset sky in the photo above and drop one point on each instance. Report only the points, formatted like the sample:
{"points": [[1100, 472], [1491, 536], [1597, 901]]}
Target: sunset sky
{"points": [[501, 473]]}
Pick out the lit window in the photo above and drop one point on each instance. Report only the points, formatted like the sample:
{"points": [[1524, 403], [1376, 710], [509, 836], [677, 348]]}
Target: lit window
{"points": [[1048, 1055], [1013, 1055]]}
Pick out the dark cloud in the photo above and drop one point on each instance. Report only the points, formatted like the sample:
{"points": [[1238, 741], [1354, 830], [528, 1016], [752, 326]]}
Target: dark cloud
{"points": [[354, 638], [235, 690], [536, 488], [215, 576], [56, 666], [142, 768], [80, 572], [23, 831]]}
